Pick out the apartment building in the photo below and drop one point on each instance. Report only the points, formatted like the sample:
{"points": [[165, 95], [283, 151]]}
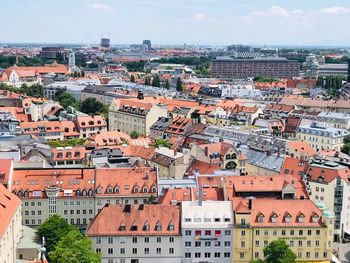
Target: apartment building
{"points": [[10, 225], [90, 125], [207, 231], [137, 233], [128, 115], [78, 194], [329, 183], [248, 68], [321, 137], [306, 228]]}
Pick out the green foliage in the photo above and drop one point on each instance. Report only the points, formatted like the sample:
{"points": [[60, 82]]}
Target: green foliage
{"points": [[279, 252], [261, 79], [71, 142], [155, 81], [135, 66], [179, 85], [346, 147], [331, 83], [132, 78], [147, 81], [167, 84], [202, 71], [162, 143], [134, 134], [74, 248], [53, 229], [8, 61], [92, 106], [4, 86], [66, 99], [92, 65]]}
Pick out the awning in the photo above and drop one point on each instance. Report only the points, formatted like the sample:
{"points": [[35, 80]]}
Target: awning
{"points": [[347, 231]]}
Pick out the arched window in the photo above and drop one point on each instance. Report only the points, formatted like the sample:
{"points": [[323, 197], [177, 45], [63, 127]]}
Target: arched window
{"points": [[136, 189], [261, 218], [154, 189], [274, 218], [110, 190], [77, 192], [315, 218], [116, 190], [84, 193], [20, 193], [26, 193], [90, 193], [301, 218], [287, 218], [145, 189]]}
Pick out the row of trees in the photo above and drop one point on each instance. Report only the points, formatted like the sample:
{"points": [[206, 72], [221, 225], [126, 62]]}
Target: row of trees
{"points": [[65, 243], [35, 90], [156, 82], [331, 83], [8, 61]]}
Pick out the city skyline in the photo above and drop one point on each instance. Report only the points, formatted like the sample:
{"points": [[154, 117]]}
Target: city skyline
{"points": [[178, 22]]}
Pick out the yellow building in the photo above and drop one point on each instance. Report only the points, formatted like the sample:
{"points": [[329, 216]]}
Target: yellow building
{"points": [[306, 228]]}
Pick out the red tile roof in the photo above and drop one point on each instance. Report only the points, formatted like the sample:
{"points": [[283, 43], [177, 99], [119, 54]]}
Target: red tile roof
{"points": [[9, 204], [136, 220], [187, 194]]}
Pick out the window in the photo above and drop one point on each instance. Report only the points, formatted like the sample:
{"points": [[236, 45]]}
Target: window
{"points": [[207, 232], [217, 254], [171, 250], [197, 244], [197, 255], [300, 243], [274, 232], [308, 243], [110, 240], [227, 232], [188, 233], [317, 243], [307, 254], [241, 255], [266, 232], [207, 254], [301, 232], [309, 232], [188, 244], [134, 250], [207, 244], [122, 251], [257, 232], [256, 254], [187, 255], [218, 233], [227, 254], [300, 254], [98, 250], [146, 250], [134, 239], [283, 232], [243, 233], [171, 239], [292, 232], [291, 243], [110, 251], [158, 250], [257, 243], [98, 240], [159, 239], [318, 232], [227, 243], [198, 233], [242, 244]]}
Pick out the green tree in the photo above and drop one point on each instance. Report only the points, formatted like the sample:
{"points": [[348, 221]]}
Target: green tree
{"points": [[167, 84], [179, 84], [279, 252], [161, 143], [66, 99], [74, 248], [155, 81], [132, 78], [91, 106], [147, 81], [35, 90], [134, 134], [53, 229]]}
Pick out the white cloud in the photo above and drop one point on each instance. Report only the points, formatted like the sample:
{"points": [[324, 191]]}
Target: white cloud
{"points": [[278, 11], [101, 7], [199, 16], [335, 10]]}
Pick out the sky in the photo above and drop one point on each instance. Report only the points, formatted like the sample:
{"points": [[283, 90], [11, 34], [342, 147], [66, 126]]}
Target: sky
{"points": [[205, 22]]}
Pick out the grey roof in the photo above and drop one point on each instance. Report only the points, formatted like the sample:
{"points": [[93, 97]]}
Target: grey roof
{"points": [[263, 160], [161, 124]]}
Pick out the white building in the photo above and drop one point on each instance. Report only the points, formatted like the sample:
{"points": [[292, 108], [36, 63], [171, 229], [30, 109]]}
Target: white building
{"points": [[207, 230], [242, 90]]}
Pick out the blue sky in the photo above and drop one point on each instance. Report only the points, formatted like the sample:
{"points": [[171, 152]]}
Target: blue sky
{"points": [[280, 22]]}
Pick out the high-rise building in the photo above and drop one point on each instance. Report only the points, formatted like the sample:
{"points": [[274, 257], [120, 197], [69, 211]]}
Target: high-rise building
{"points": [[147, 44], [248, 68], [71, 61], [105, 43]]}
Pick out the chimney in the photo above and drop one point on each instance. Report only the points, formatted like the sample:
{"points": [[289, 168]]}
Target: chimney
{"points": [[200, 196], [140, 95], [206, 151], [250, 202]]}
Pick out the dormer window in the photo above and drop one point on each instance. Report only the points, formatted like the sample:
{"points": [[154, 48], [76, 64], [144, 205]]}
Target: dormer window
{"points": [[77, 192], [145, 190], [90, 193], [110, 190], [116, 190], [136, 189], [134, 227], [26, 193], [171, 227], [154, 189], [158, 227], [84, 193], [301, 218], [287, 218], [122, 227], [274, 218], [315, 218], [261, 218], [146, 227], [99, 190], [83, 123]]}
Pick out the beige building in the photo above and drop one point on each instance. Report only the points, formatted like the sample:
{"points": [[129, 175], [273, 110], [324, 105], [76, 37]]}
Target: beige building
{"points": [[137, 233], [306, 229], [321, 137], [10, 225], [128, 115]]}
